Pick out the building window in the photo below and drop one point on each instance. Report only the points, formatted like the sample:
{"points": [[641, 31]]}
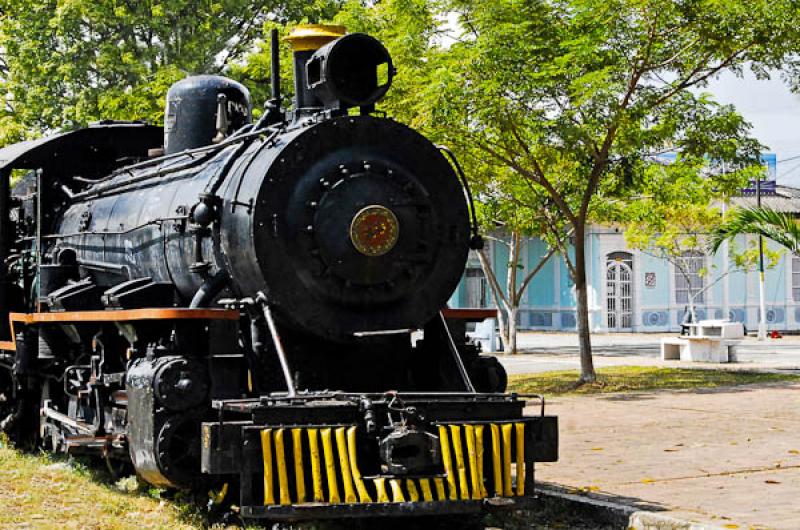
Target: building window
{"points": [[475, 285], [795, 278], [688, 280]]}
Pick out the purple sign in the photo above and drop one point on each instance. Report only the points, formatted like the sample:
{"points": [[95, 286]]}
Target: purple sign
{"points": [[768, 187]]}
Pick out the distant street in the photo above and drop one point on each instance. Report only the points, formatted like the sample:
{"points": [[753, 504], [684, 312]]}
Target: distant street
{"points": [[544, 352]]}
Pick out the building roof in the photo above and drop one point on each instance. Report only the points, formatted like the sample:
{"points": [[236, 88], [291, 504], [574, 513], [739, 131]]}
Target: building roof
{"points": [[782, 199]]}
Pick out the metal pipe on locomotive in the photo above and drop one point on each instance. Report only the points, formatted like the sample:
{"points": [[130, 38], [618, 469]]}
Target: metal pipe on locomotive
{"points": [[260, 305]]}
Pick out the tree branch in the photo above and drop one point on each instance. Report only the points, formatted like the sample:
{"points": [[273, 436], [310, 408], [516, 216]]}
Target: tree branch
{"points": [[488, 271], [537, 177], [689, 82]]}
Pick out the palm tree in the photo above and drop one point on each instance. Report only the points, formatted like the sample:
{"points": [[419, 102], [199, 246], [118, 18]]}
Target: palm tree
{"points": [[781, 227]]}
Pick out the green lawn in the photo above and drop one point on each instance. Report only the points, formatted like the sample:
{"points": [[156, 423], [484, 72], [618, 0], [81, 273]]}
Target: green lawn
{"points": [[45, 493], [639, 378]]}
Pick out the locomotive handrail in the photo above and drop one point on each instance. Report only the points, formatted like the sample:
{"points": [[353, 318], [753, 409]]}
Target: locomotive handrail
{"points": [[158, 221], [114, 186], [237, 136], [276, 340], [476, 242]]}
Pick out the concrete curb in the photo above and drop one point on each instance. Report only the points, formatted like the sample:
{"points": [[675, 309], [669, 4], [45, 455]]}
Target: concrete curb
{"points": [[657, 521], [607, 510]]}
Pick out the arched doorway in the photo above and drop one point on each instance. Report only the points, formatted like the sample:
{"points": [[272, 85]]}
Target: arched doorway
{"points": [[619, 291]]}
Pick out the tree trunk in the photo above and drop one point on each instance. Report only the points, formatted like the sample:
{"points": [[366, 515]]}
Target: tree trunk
{"points": [[511, 347], [497, 295], [584, 338], [512, 305], [501, 325]]}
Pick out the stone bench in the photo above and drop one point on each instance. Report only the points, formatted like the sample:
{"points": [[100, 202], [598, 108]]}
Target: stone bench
{"points": [[698, 349], [722, 329]]}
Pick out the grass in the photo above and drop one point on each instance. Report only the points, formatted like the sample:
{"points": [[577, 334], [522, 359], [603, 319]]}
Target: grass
{"points": [[42, 492], [639, 378]]}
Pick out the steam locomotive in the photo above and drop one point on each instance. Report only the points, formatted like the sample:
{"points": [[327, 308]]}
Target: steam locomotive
{"points": [[259, 307]]}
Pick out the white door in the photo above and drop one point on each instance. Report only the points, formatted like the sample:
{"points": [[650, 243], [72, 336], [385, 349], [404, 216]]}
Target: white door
{"points": [[619, 295]]}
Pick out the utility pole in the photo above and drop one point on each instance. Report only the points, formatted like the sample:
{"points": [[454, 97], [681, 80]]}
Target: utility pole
{"points": [[762, 308]]}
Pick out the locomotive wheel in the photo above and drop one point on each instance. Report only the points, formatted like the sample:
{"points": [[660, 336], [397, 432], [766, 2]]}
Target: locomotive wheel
{"points": [[21, 424], [6, 395], [178, 450]]}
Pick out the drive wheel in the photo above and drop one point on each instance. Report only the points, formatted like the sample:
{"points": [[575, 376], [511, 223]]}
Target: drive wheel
{"points": [[179, 451]]}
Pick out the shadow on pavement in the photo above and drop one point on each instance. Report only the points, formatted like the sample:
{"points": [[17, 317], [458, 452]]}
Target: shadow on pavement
{"points": [[605, 351], [738, 389]]}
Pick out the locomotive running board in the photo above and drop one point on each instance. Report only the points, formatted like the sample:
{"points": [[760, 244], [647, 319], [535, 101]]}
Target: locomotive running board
{"points": [[121, 315], [125, 315]]}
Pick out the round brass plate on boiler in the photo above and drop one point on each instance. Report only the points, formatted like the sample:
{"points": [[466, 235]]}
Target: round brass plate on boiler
{"points": [[374, 230]]}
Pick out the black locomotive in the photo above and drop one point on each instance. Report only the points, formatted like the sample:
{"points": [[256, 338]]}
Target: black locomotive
{"points": [[259, 306]]}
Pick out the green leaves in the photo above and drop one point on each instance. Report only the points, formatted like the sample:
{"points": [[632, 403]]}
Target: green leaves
{"points": [[65, 63], [781, 227]]}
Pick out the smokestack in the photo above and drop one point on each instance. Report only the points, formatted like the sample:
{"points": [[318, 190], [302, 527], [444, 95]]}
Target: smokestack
{"points": [[305, 40]]}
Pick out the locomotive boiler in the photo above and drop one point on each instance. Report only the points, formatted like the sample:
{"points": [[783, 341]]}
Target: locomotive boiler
{"points": [[259, 307]]}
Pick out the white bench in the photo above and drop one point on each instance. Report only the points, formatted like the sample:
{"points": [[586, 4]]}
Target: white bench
{"points": [[698, 349], [712, 341], [723, 329]]}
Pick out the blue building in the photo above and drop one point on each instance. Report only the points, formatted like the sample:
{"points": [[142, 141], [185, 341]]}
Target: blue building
{"points": [[630, 290]]}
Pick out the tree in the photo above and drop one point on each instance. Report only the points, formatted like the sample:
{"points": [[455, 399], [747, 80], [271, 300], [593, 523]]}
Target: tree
{"points": [[671, 218], [781, 227], [573, 96], [66, 63]]}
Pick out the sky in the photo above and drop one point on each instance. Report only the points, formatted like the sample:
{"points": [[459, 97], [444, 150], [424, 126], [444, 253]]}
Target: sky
{"points": [[774, 113]]}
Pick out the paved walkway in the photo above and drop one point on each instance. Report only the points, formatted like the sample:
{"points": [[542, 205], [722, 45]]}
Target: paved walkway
{"points": [[726, 458], [559, 351]]}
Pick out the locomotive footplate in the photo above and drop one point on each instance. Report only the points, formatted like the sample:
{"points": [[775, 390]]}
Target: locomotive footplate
{"points": [[333, 455]]}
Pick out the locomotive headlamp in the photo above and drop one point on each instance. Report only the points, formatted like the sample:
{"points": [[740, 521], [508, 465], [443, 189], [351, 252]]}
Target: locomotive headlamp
{"points": [[374, 230]]}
